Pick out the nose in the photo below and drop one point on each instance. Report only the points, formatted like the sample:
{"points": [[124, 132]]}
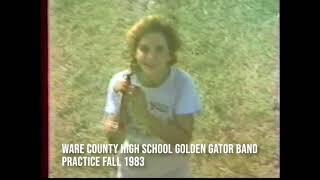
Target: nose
{"points": [[151, 55]]}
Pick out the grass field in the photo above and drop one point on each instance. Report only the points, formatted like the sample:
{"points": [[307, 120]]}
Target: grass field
{"points": [[230, 48]]}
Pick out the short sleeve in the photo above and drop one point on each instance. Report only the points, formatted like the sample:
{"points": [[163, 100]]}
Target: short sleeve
{"points": [[188, 100], [113, 100]]}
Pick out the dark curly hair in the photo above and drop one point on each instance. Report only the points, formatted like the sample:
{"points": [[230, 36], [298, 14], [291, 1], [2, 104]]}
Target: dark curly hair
{"points": [[149, 24]]}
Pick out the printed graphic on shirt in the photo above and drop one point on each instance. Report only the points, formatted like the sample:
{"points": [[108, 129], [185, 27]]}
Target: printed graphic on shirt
{"points": [[160, 107], [159, 110]]}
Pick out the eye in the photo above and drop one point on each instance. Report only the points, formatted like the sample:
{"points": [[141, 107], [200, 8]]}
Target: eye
{"points": [[144, 48]]}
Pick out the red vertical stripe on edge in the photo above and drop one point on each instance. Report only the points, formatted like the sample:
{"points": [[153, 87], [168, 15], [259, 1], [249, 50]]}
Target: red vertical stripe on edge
{"points": [[44, 90]]}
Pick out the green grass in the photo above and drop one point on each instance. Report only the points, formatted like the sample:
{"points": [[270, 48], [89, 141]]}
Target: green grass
{"points": [[230, 48]]}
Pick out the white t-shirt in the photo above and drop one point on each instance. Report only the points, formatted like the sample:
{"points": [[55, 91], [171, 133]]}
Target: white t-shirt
{"points": [[176, 96]]}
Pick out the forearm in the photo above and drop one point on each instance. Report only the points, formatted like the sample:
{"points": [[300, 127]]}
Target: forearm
{"points": [[170, 132]]}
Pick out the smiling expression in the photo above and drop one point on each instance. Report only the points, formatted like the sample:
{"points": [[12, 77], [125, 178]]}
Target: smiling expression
{"points": [[152, 54]]}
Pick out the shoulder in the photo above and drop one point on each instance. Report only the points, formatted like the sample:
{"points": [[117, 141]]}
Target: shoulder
{"points": [[182, 77]]}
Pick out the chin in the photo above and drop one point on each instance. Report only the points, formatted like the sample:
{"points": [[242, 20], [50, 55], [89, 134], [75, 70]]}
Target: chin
{"points": [[149, 72]]}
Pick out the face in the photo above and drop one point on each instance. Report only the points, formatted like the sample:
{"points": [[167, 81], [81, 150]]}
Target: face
{"points": [[152, 54]]}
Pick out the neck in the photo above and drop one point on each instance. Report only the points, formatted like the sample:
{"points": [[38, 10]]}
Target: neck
{"points": [[155, 79]]}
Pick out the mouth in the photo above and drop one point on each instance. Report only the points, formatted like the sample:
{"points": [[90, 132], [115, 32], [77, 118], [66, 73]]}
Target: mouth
{"points": [[149, 66]]}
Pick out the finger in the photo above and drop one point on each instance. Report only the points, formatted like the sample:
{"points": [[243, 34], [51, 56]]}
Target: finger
{"points": [[115, 126], [113, 123], [124, 88], [125, 82], [130, 89], [131, 92], [111, 130], [112, 127]]}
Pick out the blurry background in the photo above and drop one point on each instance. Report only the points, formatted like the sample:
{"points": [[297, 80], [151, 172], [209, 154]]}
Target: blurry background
{"points": [[230, 48]]}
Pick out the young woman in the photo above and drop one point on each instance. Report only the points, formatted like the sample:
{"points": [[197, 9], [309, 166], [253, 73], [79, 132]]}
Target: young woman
{"points": [[161, 100]]}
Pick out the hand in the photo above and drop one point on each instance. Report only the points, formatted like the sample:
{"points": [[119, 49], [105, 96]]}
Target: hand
{"points": [[116, 131], [111, 125], [121, 86]]}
